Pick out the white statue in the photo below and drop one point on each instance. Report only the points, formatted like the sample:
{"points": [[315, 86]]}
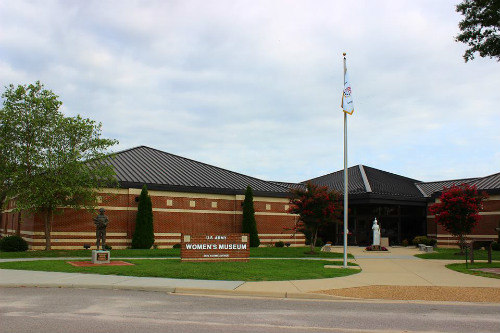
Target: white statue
{"points": [[376, 233]]}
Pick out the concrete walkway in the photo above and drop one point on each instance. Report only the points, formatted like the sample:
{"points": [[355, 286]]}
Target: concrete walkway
{"points": [[397, 268]]}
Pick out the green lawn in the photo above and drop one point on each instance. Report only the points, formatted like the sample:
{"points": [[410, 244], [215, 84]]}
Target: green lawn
{"points": [[471, 269], [255, 270], [451, 254], [260, 252]]}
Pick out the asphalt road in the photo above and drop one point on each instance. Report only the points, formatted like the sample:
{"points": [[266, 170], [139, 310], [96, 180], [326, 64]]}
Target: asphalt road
{"points": [[92, 310]]}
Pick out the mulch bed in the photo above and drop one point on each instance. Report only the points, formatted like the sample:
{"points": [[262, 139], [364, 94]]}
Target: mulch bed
{"points": [[493, 270], [423, 293], [90, 264]]}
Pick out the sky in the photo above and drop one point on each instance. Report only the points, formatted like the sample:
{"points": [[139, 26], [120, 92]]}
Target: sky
{"points": [[255, 86]]}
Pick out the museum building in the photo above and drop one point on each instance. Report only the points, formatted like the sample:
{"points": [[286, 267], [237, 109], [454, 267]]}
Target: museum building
{"points": [[194, 197]]}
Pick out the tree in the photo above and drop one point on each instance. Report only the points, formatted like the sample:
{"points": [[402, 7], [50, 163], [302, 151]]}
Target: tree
{"points": [[316, 207], [480, 28], [144, 236], [458, 211], [249, 224], [52, 161]]}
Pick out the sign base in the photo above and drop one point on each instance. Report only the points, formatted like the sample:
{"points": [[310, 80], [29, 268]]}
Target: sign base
{"points": [[101, 257]]}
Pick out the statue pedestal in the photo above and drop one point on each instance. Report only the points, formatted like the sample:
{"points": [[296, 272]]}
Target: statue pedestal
{"points": [[101, 257]]}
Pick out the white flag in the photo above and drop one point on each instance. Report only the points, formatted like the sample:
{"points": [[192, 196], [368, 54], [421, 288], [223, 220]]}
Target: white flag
{"points": [[347, 104]]}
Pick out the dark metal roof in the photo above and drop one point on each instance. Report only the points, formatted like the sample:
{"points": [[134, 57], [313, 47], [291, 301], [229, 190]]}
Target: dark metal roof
{"points": [[489, 183], [335, 181], [428, 189], [370, 181], [383, 182], [291, 186], [164, 171]]}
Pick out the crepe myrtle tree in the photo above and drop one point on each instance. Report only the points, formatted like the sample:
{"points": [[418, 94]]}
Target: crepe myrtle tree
{"points": [[457, 211], [317, 207], [50, 160]]}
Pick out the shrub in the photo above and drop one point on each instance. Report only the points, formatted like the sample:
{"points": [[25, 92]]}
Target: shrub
{"points": [[404, 242], [495, 246], [176, 246], [13, 244], [144, 237], [107, 247], [319, 242], [249, 225], [424, 240], [279, 244]]}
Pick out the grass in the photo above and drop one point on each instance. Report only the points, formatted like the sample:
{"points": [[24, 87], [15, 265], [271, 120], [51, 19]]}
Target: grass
{"points": [[254, 270], [451, 254], [471, 269], [260, 252]]}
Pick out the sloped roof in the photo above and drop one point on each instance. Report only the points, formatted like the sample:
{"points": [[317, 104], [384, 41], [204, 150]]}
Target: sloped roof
{"points": [[335, 181], [489, 183], [370, 181], [383, 182], [164, 171], [290, 186], [429, 188]]}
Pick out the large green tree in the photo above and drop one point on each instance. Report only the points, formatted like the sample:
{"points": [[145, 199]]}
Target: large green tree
{"points": [[480, 28], [317, 207], [144, 236], [53, 161], [249, 224]]}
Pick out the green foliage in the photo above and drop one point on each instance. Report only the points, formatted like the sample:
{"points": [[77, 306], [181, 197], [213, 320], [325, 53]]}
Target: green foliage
{"points": [[13, 244], [144, 232], [279, 244], [249, 224], [317, 207], [254, 270], [473, 269], [404, 242], [480, 28], [453, 254], [495, 246], [319, 242], [256, 252], [49, 160], [423, 240]]}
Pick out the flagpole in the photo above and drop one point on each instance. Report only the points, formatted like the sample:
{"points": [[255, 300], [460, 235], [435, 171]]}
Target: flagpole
{"points": [[346, 200]]}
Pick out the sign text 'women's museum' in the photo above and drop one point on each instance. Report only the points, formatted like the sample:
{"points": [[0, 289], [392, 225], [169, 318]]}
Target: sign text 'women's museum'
{"points": [[212, 247]]}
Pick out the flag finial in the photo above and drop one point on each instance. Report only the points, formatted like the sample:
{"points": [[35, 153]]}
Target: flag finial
{"points": [[344, 54]]}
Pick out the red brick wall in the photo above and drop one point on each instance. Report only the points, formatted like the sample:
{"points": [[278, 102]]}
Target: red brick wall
{"points": [[490, 218], [74, 228]]}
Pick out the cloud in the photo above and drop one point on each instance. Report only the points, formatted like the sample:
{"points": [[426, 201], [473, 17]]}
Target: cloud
{"points": [[255, 86]]}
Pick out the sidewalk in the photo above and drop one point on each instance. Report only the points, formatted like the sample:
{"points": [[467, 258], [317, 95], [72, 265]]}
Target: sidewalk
{"points": [[396, 268]]}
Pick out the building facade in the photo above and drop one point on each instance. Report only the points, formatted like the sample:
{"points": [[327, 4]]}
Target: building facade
{"points": [[187, 197], [194, 197]]}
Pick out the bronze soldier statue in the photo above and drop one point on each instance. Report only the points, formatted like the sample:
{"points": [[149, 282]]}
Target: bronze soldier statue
{"points": [[101, 222]]}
